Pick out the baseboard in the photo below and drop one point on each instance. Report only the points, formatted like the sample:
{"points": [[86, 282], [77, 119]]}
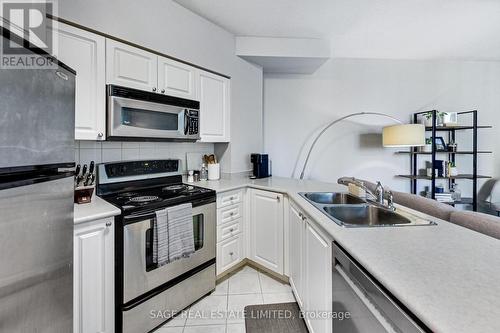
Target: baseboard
{"points": [[258, 267]]}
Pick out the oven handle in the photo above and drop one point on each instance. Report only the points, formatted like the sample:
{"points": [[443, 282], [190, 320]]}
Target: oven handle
{"points": [[145, 216], [152, 214]]}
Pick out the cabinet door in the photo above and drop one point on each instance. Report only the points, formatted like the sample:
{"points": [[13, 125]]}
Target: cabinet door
{"points": [[131, 67], [214, 108], [85, 53], [229, 253], [93, 279], [296, 246], [266, 216], [318, 278], [176, 79]]}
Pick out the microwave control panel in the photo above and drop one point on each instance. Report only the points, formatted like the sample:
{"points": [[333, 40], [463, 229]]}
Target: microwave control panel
{"points": [[193, 122]]}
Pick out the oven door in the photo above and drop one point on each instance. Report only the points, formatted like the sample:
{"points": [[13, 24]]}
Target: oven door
{"points": [[140, 274]]}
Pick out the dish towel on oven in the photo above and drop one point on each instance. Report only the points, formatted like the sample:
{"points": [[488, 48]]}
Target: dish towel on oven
{"points": [[180, 231], [160, 238], [173, 234]]}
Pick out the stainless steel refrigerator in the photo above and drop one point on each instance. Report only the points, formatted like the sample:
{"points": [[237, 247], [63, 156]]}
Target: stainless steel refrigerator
{"points": [[36, 199]]}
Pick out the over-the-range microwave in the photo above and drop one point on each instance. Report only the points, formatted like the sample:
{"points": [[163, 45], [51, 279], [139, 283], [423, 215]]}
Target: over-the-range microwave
{"points": [[137, 115]]}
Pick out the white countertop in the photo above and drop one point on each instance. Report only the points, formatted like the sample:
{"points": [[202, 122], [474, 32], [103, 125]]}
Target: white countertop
{"points": [[448, 276], [95, 210]]}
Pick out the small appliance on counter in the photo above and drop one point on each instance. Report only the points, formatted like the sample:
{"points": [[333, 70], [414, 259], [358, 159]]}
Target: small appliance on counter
{"points": [[261, 166]]}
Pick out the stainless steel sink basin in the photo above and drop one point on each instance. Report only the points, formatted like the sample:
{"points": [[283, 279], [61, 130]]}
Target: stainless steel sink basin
{"points": [[366, 215], [350, 211], [333, 198]]}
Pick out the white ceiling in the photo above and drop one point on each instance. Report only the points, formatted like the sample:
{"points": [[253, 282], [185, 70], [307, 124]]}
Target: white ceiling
{"points": [[395, 29]]}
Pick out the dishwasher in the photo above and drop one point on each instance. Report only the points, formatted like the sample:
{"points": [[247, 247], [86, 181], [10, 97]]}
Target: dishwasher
{"points": [[371, 309]]}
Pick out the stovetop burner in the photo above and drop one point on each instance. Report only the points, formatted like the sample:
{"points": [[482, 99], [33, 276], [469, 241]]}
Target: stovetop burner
{"points": [[174, 188], [144, 198]]}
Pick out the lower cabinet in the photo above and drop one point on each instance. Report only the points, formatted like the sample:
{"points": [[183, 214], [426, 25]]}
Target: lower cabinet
{"points": [[93, 277], [229, 253], [230, 230], [310, 254], [297, 230], [267, 229]]}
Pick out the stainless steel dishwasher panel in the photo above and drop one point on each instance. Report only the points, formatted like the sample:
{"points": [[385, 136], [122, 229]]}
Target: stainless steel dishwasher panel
{"points": [[372, 307]]}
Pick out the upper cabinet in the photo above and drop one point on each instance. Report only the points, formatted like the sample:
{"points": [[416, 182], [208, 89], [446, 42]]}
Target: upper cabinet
{"points": [[177, 79], [130, 66], [133, 67], [85, 53], [99, 61], [214, 107]]}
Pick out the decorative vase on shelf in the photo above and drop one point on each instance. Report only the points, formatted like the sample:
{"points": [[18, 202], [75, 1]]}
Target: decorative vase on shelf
{"points": [[427, 122]]}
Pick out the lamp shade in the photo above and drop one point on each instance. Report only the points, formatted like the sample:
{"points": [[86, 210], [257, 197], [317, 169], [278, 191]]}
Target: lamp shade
{"points": [[404, 135]]}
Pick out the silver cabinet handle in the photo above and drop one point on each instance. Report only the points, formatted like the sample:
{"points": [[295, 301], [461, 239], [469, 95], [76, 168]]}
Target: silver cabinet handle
{"points": [[231, 198], [231, 253], [231, 230], [278, 198], [163, 91], [232, 213], [108, 224], [100, 134], [154, 88], [301, 215]]}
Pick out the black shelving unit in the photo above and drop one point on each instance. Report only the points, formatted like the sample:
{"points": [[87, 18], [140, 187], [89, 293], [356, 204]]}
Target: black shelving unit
{"points": [[414, 154]]}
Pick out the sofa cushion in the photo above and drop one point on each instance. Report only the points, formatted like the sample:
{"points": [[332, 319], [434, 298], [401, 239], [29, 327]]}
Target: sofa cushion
{"points": [[483, 223], [425, 205]]}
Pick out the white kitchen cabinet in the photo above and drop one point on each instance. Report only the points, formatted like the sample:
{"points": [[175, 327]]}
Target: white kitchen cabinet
{"points": [[93, 277], [214, 91], [310, 252], [229, 253], [231, 242], [267, 229], [130, 66], [296, 249], [85, 53], [318, 278], [176, 78]]}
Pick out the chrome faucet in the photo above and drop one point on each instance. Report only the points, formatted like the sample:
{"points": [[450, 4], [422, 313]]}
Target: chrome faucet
{"points": [[377, 197]]}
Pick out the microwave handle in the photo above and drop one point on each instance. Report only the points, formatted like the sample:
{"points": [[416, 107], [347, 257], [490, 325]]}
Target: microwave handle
{"points": [[186, 122]]}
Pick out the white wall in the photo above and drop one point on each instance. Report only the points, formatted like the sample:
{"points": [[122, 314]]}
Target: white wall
{"points": [[171, 29], [295, 106]]}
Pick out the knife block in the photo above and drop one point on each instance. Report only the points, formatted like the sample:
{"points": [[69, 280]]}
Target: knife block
{"points": [[83, 194]]}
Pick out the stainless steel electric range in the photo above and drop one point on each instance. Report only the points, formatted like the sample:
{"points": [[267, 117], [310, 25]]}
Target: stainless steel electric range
{"points": [[142, 289]]}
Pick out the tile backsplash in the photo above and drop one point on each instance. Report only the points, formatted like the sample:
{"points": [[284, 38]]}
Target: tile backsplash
{"points": [[109, 151]]}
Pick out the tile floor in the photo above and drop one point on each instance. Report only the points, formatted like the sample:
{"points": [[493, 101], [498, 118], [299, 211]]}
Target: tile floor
{"points": [[222, 311]]}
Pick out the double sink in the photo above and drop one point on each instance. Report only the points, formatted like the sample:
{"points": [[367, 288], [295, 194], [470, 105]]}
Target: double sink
{"points": [[350, 211]]}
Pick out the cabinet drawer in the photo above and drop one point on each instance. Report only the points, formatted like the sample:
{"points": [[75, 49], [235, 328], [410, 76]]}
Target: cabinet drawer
{"points": [[231, 213], [229, 198], [228, 230], [229, 253]]}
